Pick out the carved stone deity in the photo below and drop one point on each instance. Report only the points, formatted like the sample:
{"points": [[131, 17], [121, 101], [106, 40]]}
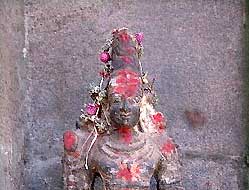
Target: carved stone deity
{"points": [[120, 138]]}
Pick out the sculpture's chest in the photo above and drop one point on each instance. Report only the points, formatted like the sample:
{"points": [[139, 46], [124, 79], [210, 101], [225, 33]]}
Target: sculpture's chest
{"points": [[126, 165]]}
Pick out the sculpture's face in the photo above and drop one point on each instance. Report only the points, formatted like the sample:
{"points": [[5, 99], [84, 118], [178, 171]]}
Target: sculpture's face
{"points": [[124, 111], [124, 101]]}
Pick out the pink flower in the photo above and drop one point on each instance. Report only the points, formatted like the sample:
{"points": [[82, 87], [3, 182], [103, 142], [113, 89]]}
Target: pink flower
{"points": [[105, 57], [139, 37], [91, 109]]}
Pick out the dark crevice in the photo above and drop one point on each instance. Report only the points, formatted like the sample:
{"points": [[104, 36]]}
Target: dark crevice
{"points": [[246, 89]]}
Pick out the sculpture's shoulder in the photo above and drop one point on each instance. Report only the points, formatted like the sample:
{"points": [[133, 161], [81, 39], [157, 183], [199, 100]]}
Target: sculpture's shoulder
{"points": [[75, 174], [76, 142], [169, 173]]}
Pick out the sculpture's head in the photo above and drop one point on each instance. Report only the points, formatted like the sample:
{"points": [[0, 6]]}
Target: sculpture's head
{"points": [[124, 95], [123, 91]]}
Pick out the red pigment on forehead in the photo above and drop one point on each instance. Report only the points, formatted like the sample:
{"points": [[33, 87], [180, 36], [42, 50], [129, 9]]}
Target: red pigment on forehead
{"points": [[128, 71], [127, 83]]}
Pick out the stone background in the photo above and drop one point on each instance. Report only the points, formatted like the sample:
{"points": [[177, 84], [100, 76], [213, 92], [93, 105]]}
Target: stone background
{"points": [[193, 48], [12, 94]]}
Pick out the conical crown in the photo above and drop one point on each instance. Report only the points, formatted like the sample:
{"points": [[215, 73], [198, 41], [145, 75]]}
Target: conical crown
{"points": [[125, 50]]}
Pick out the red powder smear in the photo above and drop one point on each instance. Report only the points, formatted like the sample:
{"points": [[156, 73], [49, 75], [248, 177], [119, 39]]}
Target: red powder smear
{"points": [[128, 174], [127, 71], [125, 134], [130, 50], [161, 128], [126, 59], [157, 118], [75, 154], [124, 37], [127, 83], [69, 138], [168, 147], [126, 91], [124, 173], [130, 81], [135, 170]]}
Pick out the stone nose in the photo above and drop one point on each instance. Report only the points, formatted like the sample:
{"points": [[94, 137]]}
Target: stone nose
{"points": [[125, 106]]}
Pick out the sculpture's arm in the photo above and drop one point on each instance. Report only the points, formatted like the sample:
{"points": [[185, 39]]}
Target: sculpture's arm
{"points": [[169, 174], [75, 175]]}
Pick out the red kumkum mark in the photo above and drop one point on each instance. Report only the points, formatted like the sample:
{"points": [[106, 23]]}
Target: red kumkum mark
{"points": [[168, 147], [125, 134], [127, 71], [126, 90], [159, 120], [130, 50], [127, 83], [125, 174], [126, 59], [128, 173], [69, 139], [161, 128], [75, 154]]}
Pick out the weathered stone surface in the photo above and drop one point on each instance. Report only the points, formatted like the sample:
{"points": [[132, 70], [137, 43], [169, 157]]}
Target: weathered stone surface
{"points": [[12, 89], [209, 175], [193, 49]]}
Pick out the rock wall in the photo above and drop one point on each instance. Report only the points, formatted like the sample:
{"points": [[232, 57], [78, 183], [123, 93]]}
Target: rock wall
{"points": [[12, 91], [193, 50]]}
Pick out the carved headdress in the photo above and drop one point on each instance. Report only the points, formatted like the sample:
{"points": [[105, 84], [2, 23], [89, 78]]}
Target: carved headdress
{"points": [[122, 74]]}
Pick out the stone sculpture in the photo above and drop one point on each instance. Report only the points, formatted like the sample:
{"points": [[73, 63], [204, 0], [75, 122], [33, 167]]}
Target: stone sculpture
{"points": [[120, 137]]}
